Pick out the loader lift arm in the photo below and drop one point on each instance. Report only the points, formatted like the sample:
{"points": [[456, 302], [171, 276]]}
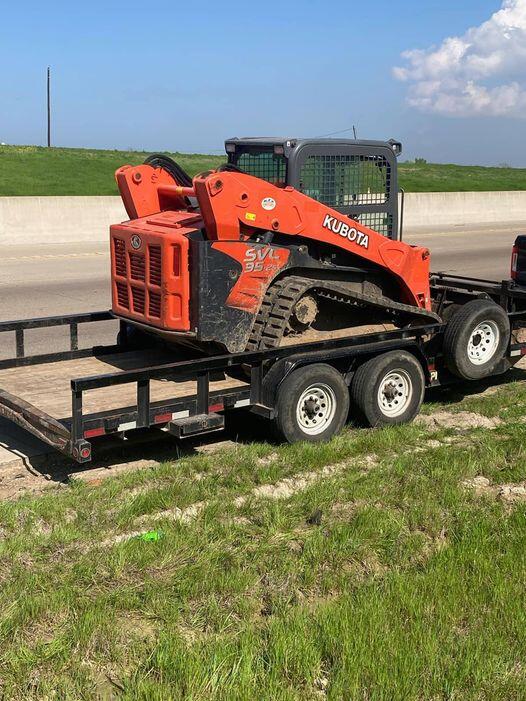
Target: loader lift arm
{"points": [[237, 206]]}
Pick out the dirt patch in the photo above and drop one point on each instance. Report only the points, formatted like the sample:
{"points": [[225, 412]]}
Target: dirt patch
{"points": [[509, 493], [175, 514], [135, 626], [18, 480], [288, 487], [267, 459], [216, 446], [480, 485], [461, 421], [346, 511], [512, 493]]}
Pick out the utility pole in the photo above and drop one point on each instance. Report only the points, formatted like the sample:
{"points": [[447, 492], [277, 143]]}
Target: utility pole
{"points": [[48, 107]]}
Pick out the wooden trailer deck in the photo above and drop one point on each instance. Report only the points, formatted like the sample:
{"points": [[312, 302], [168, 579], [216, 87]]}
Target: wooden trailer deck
{"points": [[48, 386]]}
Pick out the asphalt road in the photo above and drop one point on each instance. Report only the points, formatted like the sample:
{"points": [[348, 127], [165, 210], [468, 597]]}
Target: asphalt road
{"points": [[68, 278]]}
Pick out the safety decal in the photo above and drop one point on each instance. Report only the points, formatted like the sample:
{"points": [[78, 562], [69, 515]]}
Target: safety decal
{"points": [[268, 203]]}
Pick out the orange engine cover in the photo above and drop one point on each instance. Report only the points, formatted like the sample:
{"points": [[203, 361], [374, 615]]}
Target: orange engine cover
{"points": [[150, 269]]}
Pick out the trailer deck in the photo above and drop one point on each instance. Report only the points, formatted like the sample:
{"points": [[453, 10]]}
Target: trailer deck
{"points": [[48, 386]]}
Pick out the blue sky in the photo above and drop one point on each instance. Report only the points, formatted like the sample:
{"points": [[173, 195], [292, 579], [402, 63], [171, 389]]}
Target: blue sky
{"points": [[184, 76]]}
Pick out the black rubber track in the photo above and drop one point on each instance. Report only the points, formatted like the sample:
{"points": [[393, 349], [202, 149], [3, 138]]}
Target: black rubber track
{"points": [[279, 301]]}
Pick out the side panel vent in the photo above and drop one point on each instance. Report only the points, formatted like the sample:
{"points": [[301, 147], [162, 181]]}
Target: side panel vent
{"points": [[137, 266], [155, 265], [138, 299], [122, 294], [119, 248], [155, 304]]}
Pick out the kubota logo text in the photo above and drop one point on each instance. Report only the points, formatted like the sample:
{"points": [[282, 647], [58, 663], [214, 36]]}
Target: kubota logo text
{"points": [[348, 232]]}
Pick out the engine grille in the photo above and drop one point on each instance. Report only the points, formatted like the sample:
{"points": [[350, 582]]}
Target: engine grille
{"points": [[122, 294], [154, 308], [155, 265], [137, 266], [138, 290], [119, 247], [138, 299]]}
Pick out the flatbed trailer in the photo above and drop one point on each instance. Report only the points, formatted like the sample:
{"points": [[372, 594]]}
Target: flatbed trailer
{"points": [[70, 398]]}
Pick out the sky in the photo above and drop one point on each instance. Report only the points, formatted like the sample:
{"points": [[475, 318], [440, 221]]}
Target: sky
{"points": [[446, 78]]}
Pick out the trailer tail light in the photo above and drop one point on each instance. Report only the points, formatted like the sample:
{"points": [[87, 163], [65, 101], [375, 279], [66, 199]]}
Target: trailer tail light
{"points": [[94, 432], [162, 418], [518, 261], [514, 261]]}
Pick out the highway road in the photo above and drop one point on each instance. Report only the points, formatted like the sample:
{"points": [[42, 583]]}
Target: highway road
{"points": [[66, 278]]}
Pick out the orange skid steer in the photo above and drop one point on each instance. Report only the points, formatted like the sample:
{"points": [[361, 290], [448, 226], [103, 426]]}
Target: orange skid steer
{"points": [[289, 238]]}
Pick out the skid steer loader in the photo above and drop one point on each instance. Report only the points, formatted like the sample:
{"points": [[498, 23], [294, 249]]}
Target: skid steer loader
{"points": [[289, 240]]}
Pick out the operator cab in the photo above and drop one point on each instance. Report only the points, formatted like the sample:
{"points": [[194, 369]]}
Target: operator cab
{"points": [[357, 178]]}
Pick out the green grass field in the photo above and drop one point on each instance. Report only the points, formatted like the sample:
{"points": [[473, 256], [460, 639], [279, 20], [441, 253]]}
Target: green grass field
{"points": [[371, 568], [33, 170]]}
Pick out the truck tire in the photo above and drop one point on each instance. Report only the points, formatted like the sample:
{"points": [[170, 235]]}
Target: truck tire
{"points": [[312, 404], [476, 339], [388, 389]]}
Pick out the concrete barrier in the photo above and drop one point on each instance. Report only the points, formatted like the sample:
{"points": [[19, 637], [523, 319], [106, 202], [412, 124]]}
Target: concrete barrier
{"points": [[449, 209], [31, 220]]}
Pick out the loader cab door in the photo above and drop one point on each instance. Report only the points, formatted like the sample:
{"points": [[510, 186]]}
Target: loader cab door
{"points": [[357, 180]]}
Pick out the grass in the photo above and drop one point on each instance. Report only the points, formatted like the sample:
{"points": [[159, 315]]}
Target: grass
{"points": [[33, 170], [430, 177], [384, 579]]}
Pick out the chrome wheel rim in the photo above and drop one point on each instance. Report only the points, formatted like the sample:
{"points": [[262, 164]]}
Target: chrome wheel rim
{"points": [[395, 393], [315, 409], [483, 342]]}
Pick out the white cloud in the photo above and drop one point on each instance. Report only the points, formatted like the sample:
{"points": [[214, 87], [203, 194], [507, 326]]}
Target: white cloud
{"points": [[482, 72]]}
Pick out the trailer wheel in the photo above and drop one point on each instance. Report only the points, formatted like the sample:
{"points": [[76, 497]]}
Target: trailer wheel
{"points": [[476, 339], [312, 404], [388, 389]]}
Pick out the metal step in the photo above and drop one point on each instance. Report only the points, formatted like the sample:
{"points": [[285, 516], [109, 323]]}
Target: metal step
{"points": [[196, 425]]}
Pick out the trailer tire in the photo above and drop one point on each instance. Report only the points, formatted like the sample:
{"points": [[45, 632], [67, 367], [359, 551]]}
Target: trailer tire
{"points": [[312, 404], [476, 339], [388, 389]]}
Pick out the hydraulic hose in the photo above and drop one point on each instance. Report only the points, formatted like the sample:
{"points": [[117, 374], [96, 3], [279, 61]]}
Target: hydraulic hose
{"points": [[159, 160]]}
